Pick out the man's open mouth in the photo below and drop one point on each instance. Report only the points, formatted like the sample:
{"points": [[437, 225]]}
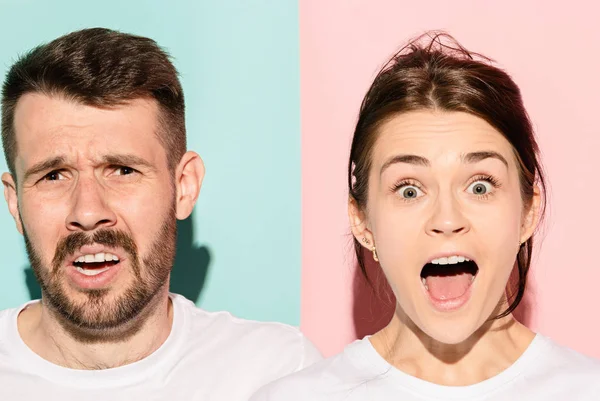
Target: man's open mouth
{"points": [[448, 278], [94, 264]]}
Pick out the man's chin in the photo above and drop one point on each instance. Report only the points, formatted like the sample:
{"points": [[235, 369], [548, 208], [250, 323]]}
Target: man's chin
{"points": [[97, 313]]}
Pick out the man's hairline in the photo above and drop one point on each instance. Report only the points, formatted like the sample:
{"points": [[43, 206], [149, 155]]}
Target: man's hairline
{"points": [[160, 131]]}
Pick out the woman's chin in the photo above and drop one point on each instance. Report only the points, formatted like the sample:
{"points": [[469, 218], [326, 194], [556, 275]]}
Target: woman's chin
{"points": [[454, 331]]}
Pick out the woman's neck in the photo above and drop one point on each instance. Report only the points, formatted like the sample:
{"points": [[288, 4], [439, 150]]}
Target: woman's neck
{"points": [[486, 353]]}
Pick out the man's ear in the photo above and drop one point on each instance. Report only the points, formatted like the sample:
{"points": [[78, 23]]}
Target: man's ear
{"points": [[188, 180], [531, 216], [358, 224], [12, 200]]}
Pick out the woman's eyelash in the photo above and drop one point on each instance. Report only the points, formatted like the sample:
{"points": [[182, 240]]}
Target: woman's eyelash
{"points": [[492, 180], [403, 183], [483, 177]]}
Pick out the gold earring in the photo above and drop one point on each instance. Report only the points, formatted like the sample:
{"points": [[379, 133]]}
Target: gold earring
{"points": [[374, 250]]}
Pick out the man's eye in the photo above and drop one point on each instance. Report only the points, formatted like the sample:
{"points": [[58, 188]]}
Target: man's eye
{"points": [[53, 176], [124, 170]]}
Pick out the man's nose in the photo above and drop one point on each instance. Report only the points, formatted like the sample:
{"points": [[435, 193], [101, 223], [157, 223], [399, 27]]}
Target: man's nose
{"points": [[90, 209]]}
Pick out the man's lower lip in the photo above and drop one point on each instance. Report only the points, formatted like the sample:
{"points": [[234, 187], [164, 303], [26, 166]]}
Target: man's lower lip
{"points": [[449, 305], [97, 281]]}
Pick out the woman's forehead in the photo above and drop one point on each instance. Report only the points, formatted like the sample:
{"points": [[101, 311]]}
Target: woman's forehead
{"points": [[436, 135]]}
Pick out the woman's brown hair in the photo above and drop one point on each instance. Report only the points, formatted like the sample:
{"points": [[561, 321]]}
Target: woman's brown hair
{"points": [[435, 72]]}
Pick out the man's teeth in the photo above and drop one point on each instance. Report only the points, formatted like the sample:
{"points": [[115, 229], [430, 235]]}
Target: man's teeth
{"points": [[91, 272], [96, 258], [452, 260]]}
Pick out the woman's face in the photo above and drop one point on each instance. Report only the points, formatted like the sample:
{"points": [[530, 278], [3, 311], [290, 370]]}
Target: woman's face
{"points": [[446, 215]]}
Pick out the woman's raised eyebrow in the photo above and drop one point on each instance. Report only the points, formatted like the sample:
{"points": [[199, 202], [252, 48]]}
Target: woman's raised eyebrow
{"points": [[472, 157], [475, 157], [409, 159]]}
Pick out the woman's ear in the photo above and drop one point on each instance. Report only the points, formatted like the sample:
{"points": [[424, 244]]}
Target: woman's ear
{"points": [[531, 216], [358, 224]]}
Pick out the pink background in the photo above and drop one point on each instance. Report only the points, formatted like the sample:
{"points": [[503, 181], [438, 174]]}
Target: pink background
{"points": [[551, 50]]}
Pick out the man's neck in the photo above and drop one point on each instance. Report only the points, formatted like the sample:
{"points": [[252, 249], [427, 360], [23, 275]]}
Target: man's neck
{"points": [[43, 333]]}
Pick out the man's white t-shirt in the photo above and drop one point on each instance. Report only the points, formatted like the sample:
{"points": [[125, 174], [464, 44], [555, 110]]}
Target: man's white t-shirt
{"points": [[545, 372], [207, 356]]}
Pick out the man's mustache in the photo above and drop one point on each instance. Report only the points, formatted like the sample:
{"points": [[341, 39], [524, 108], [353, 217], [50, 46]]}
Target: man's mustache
{"points": [[111, 238]]}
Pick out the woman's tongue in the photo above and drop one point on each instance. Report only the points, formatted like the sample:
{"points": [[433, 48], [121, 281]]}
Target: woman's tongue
{"points": [[448, 287]]}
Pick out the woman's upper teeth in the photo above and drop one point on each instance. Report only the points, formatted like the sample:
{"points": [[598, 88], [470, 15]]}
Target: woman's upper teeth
{"points": [[450, 260], [98, 257]]}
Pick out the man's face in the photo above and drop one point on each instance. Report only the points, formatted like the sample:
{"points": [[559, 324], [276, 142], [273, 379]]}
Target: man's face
{"points": [[96, 204]]}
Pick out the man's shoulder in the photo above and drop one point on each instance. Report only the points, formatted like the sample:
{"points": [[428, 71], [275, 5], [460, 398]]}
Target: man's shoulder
{"points": [[204, 320], [269, 342], [330, 379]]}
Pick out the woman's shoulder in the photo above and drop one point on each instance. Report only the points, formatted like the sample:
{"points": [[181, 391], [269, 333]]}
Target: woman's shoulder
{"points": [[559, 361]]}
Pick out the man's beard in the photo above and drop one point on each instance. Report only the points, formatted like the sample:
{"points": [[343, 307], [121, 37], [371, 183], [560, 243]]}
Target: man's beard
{"points": [[99, 318]]}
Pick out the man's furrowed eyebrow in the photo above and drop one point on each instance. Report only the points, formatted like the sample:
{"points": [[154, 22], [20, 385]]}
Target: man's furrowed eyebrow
{"points": [[475, 157], [126, 160], [48, 164], [408, 159]]}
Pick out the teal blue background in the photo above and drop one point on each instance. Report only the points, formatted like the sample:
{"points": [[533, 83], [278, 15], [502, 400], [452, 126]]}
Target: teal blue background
{"points": [[239, 66]]}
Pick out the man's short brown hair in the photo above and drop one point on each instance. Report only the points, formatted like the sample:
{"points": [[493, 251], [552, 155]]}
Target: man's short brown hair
{"points": [[101, 68]]}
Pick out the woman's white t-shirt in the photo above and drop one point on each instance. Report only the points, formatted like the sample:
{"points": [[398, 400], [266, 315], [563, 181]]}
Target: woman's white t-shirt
{"points": [[545, 372]]}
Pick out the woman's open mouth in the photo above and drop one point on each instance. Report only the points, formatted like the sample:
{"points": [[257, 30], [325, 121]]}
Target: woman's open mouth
{"points": [[448, 281]]}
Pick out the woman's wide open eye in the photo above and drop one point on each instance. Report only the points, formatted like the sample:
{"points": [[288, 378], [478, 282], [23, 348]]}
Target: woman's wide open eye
{"points": [[480, 188], [409, 192]]}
